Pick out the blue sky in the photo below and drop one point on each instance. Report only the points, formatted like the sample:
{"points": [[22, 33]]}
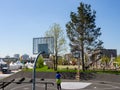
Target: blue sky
{"points": [[22, 20]]}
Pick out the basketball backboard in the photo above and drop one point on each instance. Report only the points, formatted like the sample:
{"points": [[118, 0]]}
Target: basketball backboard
{"points": [[43, 44]]}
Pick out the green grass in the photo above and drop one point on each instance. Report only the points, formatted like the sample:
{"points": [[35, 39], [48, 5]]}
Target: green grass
{"points": [[72, 69], [43, 69]]}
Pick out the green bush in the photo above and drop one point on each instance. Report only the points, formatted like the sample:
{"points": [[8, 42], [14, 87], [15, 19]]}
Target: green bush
{"points": [[40, 62]]}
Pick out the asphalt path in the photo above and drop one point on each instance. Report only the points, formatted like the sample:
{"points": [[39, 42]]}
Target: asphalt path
{"points": [[66, 85]]}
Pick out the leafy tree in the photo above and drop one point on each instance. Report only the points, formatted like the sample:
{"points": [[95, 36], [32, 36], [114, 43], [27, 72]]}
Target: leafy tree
{"points": [[40, 62], [65, 62], [59, 41], [74, 61], [60, 61], [105, 61], [117, 60], [82, 31]]}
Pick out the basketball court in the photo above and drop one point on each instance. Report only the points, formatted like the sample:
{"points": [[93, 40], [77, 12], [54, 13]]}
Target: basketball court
{"points": [[66, 85]]}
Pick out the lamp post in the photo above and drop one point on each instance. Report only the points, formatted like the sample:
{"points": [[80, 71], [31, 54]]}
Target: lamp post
{"points": [[77, 55]]}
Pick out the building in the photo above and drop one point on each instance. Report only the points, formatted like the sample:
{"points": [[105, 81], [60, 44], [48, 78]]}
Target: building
{"points": [[109, 52]]}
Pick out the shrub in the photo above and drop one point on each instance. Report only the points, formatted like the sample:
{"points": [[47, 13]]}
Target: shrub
{"points": [[40, 62]]}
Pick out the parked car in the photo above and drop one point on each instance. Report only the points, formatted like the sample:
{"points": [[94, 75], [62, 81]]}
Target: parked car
{"points": [[4, 68]]}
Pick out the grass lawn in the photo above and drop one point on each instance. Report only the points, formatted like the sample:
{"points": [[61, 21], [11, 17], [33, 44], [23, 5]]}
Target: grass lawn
{"points": [[61, 68], [71, 68], [43, 69]]}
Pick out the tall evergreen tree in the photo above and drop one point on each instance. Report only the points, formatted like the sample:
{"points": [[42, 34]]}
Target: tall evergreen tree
{"points": [[82, 31]]}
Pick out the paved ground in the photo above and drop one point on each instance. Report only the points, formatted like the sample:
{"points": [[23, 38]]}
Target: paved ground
{"points": [[95, 84], [66, 85]]}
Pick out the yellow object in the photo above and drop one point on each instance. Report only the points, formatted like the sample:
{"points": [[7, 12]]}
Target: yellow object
{"points": [[58, 81]]}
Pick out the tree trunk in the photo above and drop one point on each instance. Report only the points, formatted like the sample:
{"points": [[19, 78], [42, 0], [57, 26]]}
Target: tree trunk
{"points": [[83, 65], [56, 54], [56, 59]]}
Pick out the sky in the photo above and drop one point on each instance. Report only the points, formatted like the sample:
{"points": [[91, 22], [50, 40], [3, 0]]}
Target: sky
{"points": [[23, 20]]}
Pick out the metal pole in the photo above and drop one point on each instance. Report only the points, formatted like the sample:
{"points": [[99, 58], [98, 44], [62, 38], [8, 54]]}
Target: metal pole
{"points": [[34, 72], [45, 86]]}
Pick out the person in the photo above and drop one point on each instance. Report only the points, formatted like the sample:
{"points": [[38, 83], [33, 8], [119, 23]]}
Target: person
{"points": [[58, 80]]}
